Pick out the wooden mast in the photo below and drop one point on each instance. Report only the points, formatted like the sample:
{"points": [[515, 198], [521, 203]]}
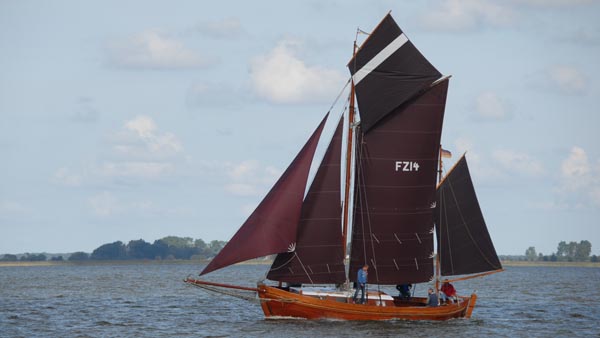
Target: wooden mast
{"points": [[351, 112]]}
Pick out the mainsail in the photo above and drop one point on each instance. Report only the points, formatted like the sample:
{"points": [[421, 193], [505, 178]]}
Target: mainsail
{"points": [[387, 71], [395, 189], [318, 253], [272, 227], [464, 244]]}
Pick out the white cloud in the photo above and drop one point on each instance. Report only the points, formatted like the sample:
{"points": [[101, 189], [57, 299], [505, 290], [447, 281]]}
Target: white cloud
{"points": [[576, 170], [517, 162], [154, 50], [145, 151], [141, 138], [490, 107], [567, 79], [104, 204], [281, 77], [66, 177], [464, 15], [579, 180], [249, 178]]}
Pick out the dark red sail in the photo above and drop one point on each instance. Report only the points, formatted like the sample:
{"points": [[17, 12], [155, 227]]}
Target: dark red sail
{"points": [[464, 244], [318, 253], [387, 71], [395, 190], [272, 227]]}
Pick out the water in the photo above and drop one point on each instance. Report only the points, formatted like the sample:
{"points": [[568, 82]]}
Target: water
{"points": [[150, 300]]}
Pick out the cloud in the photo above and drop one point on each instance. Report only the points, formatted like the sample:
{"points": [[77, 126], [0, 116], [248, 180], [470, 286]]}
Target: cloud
{"points": [[228, 28], [249, 178], [517, 162], [141, 138], [281, 77], [579, 180], [499, 165], [567, 79], [153, 50], [576, 170], [138, 152], [490, 107], [104, 204], [466, 15]]}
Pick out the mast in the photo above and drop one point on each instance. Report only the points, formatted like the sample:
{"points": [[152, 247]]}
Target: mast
{"points": [[346, 214], [437, 254]]}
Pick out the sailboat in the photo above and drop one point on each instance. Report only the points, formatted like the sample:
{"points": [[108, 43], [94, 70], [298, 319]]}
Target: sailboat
{"points": [[379, 187]]}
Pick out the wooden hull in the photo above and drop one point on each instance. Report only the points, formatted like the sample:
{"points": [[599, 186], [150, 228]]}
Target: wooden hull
{"points": [[277, 302]]}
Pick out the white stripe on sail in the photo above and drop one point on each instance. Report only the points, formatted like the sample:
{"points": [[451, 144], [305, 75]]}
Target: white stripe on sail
{"points": [[379, 58]]}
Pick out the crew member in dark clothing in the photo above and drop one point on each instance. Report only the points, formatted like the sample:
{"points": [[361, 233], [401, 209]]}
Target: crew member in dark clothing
{"points": [[361, 280], [432, 299]]}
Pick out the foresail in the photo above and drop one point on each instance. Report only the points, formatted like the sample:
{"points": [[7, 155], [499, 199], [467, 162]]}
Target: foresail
{"points": [[387, 71], [317, 256], [464, 244], [395, 190], [272, 227]]}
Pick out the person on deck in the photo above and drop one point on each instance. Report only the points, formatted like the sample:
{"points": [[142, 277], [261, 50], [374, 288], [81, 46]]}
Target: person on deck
{"points": [[448, 292], [432, 299], [404, 291], [361, 281]]}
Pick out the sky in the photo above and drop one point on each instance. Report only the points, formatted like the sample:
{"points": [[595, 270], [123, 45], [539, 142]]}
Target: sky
{"points": [[143, 119]]}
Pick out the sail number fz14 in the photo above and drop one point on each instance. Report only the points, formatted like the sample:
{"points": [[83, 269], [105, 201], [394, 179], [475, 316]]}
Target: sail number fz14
{"points": [[407, 166]]}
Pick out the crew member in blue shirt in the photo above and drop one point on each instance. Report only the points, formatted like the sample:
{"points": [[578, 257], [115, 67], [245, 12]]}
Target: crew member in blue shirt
{"points": [[361, 281]]}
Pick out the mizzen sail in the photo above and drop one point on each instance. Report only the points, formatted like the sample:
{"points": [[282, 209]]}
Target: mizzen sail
{"points": [[272, 227], [387, 71], [317, 256], [464, 244]]}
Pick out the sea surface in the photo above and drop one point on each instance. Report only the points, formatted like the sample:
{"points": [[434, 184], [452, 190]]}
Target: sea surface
{"points": [[151, 300]]}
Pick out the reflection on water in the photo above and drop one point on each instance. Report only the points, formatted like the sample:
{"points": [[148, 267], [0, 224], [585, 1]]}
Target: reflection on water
{"points": [[151, 300]]}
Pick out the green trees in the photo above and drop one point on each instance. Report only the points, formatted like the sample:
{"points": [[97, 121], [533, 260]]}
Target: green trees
{"points": [[114, 250], [570, 252], [574, 251], [9, 258], [530, 254], [170, 247], [79, 256]]}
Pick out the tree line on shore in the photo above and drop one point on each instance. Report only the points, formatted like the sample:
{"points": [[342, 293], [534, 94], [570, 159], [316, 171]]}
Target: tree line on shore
{"points": [[170, 247], [173, 247], [565, 252]]}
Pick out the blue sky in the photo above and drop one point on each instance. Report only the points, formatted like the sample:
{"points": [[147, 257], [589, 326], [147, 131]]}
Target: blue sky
{"points": [[142, 119]]}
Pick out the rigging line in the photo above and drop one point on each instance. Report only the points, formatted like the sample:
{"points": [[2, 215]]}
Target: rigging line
{"points": [[282, 265], [340, 94], [374, 259], [303, 268], [466, 227], [443, 206], [360, 201]]}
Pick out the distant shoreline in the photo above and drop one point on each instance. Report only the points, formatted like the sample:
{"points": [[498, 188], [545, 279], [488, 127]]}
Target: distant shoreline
{"points": [[552, 264], [119, 262], [256, 262]]}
